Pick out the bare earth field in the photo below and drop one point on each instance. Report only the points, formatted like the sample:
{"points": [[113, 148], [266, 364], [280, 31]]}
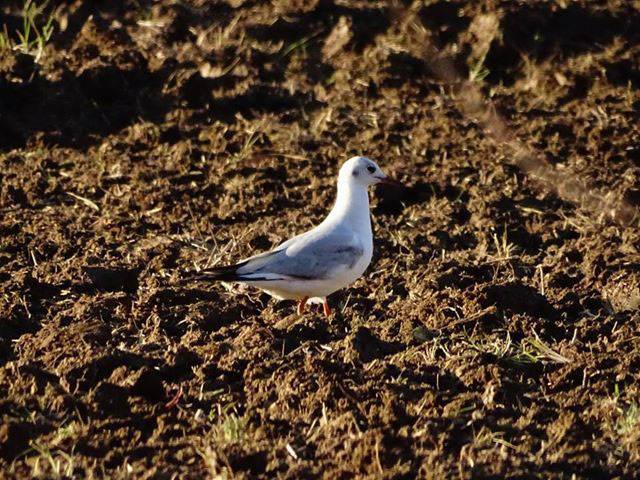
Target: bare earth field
{"points": [[496, 333]]}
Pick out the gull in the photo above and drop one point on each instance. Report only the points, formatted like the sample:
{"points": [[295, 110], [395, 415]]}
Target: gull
{"points": [[327, 258]]}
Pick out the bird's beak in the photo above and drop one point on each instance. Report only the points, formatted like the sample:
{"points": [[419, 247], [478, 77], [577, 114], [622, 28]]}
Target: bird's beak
{"points": [[389, 181]]}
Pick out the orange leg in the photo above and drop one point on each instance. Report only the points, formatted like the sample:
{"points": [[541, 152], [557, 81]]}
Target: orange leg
{"points": [[301, 304], [325, 307]]}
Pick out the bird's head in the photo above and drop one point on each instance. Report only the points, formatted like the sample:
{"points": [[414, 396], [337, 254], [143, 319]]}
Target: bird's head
{"points": [[363, 171]]}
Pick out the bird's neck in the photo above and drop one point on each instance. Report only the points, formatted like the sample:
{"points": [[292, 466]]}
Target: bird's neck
{"points": [[352, 206]]}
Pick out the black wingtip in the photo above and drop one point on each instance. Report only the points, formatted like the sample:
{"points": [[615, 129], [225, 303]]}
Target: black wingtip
{"points": [[219, 274]]}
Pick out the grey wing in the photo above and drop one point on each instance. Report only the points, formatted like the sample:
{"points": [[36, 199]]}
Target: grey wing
{"points": [[311, 258], [256, 260]]}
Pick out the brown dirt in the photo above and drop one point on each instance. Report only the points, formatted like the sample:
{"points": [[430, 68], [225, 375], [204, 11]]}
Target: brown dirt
{"points": [[495, 334]]}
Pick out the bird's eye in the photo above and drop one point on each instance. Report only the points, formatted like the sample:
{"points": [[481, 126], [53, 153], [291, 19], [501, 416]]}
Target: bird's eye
{"points": [[371, 169]]}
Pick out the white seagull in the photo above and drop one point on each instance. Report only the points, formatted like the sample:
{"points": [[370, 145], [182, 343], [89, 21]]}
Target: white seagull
{"points": [[323, 260]]}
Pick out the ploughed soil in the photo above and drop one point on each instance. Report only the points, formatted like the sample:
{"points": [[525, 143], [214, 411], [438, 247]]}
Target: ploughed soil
{"points": [[496, 333]]}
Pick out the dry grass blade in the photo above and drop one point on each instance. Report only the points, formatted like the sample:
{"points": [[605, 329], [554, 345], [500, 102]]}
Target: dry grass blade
{"points": [[86, 201], [544, 352], [300, 43]]}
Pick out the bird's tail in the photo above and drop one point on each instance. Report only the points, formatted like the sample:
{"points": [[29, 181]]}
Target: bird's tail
{"points": [[226, 273], [231, 273]]}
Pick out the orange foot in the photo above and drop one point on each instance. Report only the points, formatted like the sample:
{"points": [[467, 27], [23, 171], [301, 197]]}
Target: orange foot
{"points": [[301, 304], [325, 307]]}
